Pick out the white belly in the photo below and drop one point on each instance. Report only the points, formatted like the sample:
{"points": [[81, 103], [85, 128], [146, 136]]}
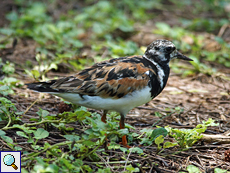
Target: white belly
{"points": [[122, 105]]}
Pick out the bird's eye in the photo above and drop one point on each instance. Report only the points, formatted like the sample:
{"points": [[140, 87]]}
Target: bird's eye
{"points": [[170, 49]]}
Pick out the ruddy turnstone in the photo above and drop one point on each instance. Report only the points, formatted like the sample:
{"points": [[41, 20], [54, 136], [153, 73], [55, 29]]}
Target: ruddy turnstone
{"points": [[118, 84]]}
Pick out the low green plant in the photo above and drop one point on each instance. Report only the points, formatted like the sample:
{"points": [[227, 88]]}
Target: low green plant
{"points": [[101, 26], [8, 111], [44, 65], [194, 169], [218, 170], [7, 67], [156, 136], [79, 145], [199, 67], [186, 138], [8, 114], [7, 83]]}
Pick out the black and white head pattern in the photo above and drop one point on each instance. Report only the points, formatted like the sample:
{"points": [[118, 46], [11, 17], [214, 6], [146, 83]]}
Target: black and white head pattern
{"points": [[161, 51]]}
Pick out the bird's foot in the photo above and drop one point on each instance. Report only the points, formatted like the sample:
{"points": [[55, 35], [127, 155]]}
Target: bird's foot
{"points": [[124, 142]]}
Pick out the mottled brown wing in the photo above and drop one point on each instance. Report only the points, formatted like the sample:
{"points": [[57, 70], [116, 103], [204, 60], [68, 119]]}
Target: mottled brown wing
{"points": [[114, 78]]}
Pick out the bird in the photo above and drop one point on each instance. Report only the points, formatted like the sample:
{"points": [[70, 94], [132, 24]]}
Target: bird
{"points": [[118, 84]]}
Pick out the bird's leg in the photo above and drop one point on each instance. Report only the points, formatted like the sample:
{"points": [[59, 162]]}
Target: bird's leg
{"points": [[122, 126], [103, 117]]}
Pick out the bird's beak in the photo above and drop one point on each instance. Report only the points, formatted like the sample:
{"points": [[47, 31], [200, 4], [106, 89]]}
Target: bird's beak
{"points": [[181, 56]]}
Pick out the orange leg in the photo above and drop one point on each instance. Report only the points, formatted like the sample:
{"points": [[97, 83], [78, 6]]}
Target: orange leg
{"points": [[103, 117], [122, 126]]}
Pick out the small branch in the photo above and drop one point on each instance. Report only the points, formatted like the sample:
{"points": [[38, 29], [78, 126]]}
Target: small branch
{"points": [[221, 139], [30, 107], [167, 115], [105, 162], [112, 162], [128, 158]]}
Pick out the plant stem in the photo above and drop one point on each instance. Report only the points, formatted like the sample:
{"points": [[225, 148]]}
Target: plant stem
{"points": [[32, 124], [163, 118], [87, 154], [53, 146], [9, 122]]}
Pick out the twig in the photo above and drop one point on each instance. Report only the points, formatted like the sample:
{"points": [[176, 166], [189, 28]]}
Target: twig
{"points": [[106, 163], [128, 158], [221, 139], [167, 115], [113, 162], [30, 107], [6, 144], [199, 161], [222, 30]]}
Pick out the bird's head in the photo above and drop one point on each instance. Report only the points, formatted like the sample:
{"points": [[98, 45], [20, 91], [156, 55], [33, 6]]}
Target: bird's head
{"points": [[162, 51]]}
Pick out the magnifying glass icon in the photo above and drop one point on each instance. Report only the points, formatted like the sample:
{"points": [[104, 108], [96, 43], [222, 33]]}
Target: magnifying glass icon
{"points": [[9, 160]]}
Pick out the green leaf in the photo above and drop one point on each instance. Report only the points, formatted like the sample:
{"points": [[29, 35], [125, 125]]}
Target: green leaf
{"points": [[36, 147], [169, 144], [157, 132], [20, 133], [53, 66], [7, 139], [218, 170], [163, 27], [123, 131], [132, 169], [42, 113], [25, 129], [8, 68], [2, 133], [193, 169], [52, 168], [159, 140], [4, 87], [72, 137], [5, 90], [89, 143], [67, 163], [78, 162], [30, 140], [41, 133], [136, 149], [17, 148], [35, 73], [123, 149]]}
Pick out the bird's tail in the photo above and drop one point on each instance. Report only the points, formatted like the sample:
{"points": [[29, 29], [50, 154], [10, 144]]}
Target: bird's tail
{"points": [[43, 86]]}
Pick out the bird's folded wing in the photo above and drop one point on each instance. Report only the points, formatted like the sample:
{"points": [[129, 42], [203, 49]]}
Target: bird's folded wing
{"points": [[114, 78]]}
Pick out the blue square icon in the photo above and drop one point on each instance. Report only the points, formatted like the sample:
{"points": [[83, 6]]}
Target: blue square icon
{"points": [[10, 161]]}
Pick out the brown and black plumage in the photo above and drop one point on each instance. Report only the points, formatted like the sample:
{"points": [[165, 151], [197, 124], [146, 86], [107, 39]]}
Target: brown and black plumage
{"points": [[117, 84]]}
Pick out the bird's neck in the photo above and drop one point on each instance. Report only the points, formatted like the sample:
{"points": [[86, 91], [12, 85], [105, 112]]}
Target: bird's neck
{"points": [[162, 73]]}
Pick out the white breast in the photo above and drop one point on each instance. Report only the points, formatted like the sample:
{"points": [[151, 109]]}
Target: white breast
{"points": [[122, 105]]}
